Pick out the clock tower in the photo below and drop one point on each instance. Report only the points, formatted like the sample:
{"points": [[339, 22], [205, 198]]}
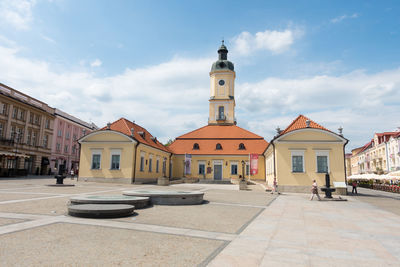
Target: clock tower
{"points": [[222, 100]]}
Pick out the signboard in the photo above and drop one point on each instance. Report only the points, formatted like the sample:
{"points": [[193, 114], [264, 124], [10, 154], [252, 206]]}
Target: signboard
{"points": [[188, 164], [253, 164]]}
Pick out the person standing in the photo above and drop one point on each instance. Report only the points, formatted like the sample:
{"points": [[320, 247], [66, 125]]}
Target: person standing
{"points": [[354, 184], [314, 190], [72, 174]]}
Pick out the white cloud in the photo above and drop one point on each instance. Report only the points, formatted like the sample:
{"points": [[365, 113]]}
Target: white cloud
{"points": [[96, 63], [274, 41], [17, 13], [171, 98], [343, 17], [47, 38], [361, 103]]}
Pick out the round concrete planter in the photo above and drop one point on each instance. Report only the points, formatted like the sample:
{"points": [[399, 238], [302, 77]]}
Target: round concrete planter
{"points": [[101, 210], [138, 202], [169, 197]]}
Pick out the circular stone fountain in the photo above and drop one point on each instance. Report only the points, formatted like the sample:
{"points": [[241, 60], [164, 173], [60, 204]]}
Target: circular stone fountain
{"points": [[100, 210], [169, 197], [138, 202]]}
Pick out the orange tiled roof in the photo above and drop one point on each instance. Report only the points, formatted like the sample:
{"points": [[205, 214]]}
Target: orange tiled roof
{"points": [[300, 123], [124, 126], [229, 136]]}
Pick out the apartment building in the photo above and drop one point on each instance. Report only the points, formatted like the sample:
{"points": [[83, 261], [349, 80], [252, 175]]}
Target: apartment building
{"points": [[65, 147], [26, 131]]}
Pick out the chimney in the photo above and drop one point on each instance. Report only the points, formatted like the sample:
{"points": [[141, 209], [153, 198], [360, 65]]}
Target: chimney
{"points": [[278, 130], [109, 126], [132, 132], [308, 123]]}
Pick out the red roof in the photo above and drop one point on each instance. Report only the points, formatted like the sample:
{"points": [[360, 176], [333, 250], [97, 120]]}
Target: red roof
{"points": [[228, 136], [124, 126], [300, 123]]}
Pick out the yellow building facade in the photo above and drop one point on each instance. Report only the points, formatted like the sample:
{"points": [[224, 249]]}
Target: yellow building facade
{"points": [[123, 153], [303, 152]]}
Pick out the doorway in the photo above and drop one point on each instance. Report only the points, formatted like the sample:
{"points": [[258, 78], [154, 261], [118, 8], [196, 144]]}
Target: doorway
{"points": [[218, 170]]}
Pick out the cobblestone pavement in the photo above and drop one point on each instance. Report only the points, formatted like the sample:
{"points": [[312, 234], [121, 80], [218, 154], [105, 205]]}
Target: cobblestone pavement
{"points": [[35, 229], [232, 228]]}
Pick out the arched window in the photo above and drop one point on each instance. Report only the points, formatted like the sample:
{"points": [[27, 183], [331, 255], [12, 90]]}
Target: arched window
{"points": [[241, 146], [218, 146], [196, 146], [221, 115]]}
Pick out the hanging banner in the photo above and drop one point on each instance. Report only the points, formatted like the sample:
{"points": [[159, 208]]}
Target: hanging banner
{"points": [[188, 163], [253, 164]]}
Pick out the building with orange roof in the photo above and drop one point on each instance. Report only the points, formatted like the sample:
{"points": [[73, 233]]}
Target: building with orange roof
{"points": [[123, 152], [221, 149], [305, 151]]}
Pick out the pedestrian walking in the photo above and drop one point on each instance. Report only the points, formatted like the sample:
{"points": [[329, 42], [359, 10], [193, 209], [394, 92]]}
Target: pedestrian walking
{"points": [[275, 187], [354, 184], [314, 190], [72, 174]]}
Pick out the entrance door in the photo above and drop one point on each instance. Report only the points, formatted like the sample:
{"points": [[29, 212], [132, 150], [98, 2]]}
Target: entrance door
{"points": [[217, 170]]}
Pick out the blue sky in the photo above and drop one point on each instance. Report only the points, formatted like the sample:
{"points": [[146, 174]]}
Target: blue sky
{"points": [[336, 62]]}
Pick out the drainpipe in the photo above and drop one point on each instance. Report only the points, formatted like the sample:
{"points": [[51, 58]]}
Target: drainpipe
{"points": [[273, 153], [134, 163], [344, 159], [387, 157]]}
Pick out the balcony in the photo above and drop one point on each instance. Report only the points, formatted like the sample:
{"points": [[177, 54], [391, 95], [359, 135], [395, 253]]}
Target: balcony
{"points": [[7, 142]]}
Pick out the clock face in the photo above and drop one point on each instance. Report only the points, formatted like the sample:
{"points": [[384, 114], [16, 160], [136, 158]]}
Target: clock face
{"points": [[221, 82]]}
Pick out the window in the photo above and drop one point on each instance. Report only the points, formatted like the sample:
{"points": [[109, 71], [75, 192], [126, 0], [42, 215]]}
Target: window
{"points": [[74, 137], [45, 140], [247, 168], [96, 158], [164, 165], [218, 146], [15, 112], [322, 161], [12, 132], [3, 108], [142, 162], [202, 167], [31, 118], [47, 124], [158, 165], [196, 146], [37, 119], [20, 135], [115, 159], [234, 168], [66, 148], [21, 114], [241, 146], [221, 113], [59, 133], [67, 135], [1, 129], [297, 161], [58, 147], [150, 163], [73, 149], [28, 138]]}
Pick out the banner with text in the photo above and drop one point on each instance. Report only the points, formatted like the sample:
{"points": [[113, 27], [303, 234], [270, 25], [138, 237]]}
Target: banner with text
{"points": [[188, 163], [253, 164]]}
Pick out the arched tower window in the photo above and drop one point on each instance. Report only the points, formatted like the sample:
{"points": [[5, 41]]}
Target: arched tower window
{"points": [[221, 115], [241, 146], [196, 146], [218, 146]]}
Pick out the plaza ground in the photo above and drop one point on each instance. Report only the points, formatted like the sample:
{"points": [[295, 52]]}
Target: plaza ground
{"points": [[232, 228]]}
